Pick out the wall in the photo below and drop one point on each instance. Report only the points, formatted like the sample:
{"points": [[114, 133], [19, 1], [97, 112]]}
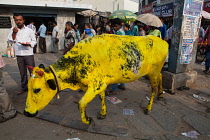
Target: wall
{"points": [[5, 31], [111, 5], [62, 17]]}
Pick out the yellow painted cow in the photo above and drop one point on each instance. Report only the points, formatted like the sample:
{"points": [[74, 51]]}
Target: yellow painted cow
{"points": [[93, 64]]}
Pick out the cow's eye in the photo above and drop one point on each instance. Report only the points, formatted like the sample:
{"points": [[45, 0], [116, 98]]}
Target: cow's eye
{"points": [[37, 90]]}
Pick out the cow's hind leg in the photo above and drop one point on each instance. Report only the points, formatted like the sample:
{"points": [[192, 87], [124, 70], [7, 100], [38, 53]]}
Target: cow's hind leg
{"points": [[102, 114], [160, 88], [154, 85], [92, 91]]}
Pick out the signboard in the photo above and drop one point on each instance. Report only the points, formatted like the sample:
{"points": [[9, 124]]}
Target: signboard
{"points": [[5, 22], [164, 10], [193, 7], [147, 8], [206, 6]]}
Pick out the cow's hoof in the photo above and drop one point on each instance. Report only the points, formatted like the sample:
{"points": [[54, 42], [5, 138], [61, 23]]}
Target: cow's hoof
{"points": [[91, 121], [100, 117], [146, 112]]}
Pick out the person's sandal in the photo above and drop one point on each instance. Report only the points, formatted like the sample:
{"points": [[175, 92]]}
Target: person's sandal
{"points": [[109, 93], [206, 72]]}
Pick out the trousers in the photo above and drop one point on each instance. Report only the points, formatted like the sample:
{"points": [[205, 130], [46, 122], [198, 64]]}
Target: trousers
{"points": [[42, 44], [24, 61], [6, 107]]}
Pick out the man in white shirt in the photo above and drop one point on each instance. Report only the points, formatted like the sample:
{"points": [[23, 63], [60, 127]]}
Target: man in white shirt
{"points": [[24, 39], [55, 37], [31, 26]]}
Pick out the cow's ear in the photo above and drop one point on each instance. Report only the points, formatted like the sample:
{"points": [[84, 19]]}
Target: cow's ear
{"points": [[41, 66], [51, 84]]}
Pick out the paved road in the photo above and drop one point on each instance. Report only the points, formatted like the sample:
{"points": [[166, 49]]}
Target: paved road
{"points": [[169, 118]]}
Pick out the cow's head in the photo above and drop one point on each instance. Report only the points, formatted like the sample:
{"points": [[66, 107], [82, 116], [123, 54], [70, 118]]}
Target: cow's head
{"points": [[41, 89]]}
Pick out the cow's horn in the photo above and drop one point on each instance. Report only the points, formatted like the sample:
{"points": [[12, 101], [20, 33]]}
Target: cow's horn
{"points": [[41, 73], [30, 67]]}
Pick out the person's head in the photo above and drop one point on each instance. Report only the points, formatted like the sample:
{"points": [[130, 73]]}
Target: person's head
{"points": [[162, 20], [153, 27], [54, 23], [98, 27], [126, 27], [69, 25], [76, 26], [123, 23], [137, 22], [141, 27], [19, 20], [32, 22], [43, 22], [87, 25], [116, 24]]}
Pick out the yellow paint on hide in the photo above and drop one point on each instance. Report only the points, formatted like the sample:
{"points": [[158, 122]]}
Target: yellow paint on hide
{"points": [[98, 61]]}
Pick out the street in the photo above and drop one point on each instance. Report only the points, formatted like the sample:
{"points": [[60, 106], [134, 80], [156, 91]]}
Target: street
{"points": [[185, 111]]}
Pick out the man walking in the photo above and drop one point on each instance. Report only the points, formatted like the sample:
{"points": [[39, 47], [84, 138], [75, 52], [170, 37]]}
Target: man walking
{"points": [[55, 37], [42, 41], [24, 39]]}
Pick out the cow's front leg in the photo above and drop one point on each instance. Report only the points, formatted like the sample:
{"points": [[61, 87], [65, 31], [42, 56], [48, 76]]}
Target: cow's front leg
{"points": [[89, 95], [102, 114]]}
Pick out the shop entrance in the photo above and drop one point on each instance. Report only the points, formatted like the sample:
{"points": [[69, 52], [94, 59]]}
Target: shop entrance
{"points": [[38, 18]]}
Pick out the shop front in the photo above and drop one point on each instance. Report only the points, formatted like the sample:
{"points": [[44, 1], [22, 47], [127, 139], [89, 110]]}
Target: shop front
{"points": [[38, 11], [166, 12]]}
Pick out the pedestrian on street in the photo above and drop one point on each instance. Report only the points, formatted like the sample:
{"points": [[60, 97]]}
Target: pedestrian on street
{"points": [[207, 63], [70, 38], [127, 29], [154, 31], [55, 39], [24, 39], [87, 32], [92, 29], [7, 111], [117, 26], [141, 31], [31, 26], [76, 29], [42, 36], [163, 30], [135, 28]]}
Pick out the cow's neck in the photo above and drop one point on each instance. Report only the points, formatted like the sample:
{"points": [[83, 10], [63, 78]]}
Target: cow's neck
{"points": [[62, 82]]}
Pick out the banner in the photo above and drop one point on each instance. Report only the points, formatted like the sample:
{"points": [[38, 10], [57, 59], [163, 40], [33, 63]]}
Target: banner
{"points": [[193, 7], [164, 10], [147, 8]]}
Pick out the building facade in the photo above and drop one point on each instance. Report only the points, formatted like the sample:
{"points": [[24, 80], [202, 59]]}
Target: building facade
{"points": [[112, 5], [38, 11]]}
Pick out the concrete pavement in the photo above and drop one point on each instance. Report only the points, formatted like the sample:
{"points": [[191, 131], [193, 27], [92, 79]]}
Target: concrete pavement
{"points": [[169, 118]]}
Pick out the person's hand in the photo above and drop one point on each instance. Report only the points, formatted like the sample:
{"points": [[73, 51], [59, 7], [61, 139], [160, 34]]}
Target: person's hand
{"points": [[15, 30]]}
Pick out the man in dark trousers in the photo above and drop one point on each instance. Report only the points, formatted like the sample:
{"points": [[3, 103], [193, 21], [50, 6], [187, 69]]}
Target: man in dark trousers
{"points": [[24, 40], [42, 36]]}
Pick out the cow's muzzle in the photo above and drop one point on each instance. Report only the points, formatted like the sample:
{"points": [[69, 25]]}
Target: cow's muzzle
{"points": [[27, 114]]}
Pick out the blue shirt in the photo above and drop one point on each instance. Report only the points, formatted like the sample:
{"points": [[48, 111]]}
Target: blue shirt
{"points": [[135, 30], [128, 32], [42, 31], [163, 30]]}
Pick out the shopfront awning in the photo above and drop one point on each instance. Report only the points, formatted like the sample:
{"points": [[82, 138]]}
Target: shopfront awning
{"points": [[46, 4], [87, 13], [205, 14]]}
